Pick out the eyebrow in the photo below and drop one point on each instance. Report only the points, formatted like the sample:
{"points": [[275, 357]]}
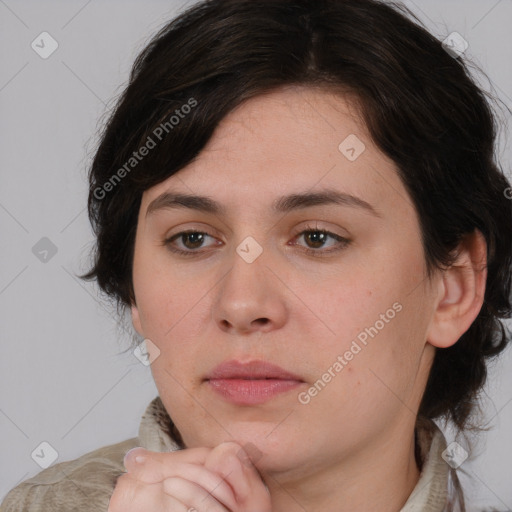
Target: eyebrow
{"points": [[284, 204]]}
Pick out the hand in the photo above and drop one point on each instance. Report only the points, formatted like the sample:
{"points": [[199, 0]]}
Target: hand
{"points": [[190, 480]]}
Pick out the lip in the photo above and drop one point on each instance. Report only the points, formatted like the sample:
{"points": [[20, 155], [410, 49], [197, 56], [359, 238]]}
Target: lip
{"points": [[251, 370], [251, 383]]}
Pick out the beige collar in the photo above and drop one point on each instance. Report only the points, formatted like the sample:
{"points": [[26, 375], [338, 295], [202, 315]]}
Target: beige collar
{"points": [[431, 491], [158, 433]]}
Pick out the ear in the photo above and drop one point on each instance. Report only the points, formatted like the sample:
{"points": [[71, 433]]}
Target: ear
{"points": [[136, 319], [460, 292]]}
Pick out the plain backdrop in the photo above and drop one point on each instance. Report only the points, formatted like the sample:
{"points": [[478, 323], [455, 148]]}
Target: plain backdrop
{"points": [[64, 378]]}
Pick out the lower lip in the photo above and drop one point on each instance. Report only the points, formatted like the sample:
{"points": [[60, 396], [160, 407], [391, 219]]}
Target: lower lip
{"points": [[250, 392]]}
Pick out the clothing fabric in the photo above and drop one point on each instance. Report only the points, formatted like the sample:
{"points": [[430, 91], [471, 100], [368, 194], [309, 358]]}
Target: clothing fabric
{"points": [[87, 483]]}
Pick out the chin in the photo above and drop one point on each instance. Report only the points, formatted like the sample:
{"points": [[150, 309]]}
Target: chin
{"points": [[269, 448]]}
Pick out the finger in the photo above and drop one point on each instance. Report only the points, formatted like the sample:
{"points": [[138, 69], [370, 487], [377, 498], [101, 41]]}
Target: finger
{"points": [[236, 465], [208, 480], [154, 472], [129, 494], [194, 496], [158, 466], [226, 460]]}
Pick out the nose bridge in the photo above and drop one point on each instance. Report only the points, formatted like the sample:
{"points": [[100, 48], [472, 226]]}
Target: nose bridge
{"points": [[249, 297]]}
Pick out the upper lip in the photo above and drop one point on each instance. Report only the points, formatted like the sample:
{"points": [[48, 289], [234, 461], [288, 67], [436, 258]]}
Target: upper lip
{"points": [[252, 370]]}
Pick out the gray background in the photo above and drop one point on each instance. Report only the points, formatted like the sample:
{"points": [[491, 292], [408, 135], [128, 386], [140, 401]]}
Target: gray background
{"points": [[64, 378]]}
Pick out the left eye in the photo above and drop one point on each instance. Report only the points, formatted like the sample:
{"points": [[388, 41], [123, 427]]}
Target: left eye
{"points": [[318, 237], [315, 239]]}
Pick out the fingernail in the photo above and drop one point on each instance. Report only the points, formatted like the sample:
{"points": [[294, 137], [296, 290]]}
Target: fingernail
{"points": [[139, 459]]}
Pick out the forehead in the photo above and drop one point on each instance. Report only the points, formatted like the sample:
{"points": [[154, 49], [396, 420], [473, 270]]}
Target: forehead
{"points": [[288, 141]]}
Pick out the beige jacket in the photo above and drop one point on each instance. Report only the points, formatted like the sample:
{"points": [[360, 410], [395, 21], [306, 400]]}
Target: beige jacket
{"points": [[86, 483]]}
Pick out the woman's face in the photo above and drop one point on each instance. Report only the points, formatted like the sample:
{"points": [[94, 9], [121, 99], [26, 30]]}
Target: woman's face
{"points": [[347, 312]]}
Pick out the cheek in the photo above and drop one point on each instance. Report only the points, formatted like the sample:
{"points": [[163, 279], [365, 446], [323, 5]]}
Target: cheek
{"points": [[357, 381], [370, 329], [344, 305], [162, 298]]}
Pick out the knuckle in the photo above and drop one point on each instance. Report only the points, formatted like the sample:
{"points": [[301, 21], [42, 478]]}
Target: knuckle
{"points": [[125, 490], [225, 465]]}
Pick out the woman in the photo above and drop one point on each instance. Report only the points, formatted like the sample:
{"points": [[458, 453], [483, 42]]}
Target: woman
{"points": [[299, 205]]}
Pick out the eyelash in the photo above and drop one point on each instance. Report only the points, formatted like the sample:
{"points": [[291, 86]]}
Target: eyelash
{"points": [[344, 242]]}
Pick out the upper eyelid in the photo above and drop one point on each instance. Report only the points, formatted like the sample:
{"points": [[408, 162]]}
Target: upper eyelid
{"points": [[299, 232], [212, 231]]}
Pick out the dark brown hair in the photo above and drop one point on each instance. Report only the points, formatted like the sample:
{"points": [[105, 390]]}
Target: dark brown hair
{"points": [[420, 104]]}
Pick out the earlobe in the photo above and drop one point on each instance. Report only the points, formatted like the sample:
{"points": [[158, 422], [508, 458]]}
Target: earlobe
{"points": [[461, 292]]}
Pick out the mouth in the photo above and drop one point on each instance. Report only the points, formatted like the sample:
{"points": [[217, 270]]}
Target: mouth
{"points": [[251, 383]]}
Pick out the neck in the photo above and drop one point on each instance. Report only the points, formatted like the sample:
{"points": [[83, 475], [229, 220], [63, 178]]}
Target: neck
{"points": [[382, 477]]}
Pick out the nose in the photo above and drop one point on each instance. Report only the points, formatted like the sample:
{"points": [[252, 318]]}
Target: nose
{"points": [[250, 298]]}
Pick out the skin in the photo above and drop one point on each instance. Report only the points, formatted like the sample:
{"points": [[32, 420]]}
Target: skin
{"points": [[194, 479], [351, 447]]}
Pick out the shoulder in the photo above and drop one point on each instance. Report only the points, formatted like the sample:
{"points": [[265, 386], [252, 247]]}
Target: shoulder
{"points": [[79, 485]]}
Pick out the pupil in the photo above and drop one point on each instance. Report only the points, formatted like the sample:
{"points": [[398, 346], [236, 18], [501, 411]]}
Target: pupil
{"points": [[195, 238], [317, 237]]}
